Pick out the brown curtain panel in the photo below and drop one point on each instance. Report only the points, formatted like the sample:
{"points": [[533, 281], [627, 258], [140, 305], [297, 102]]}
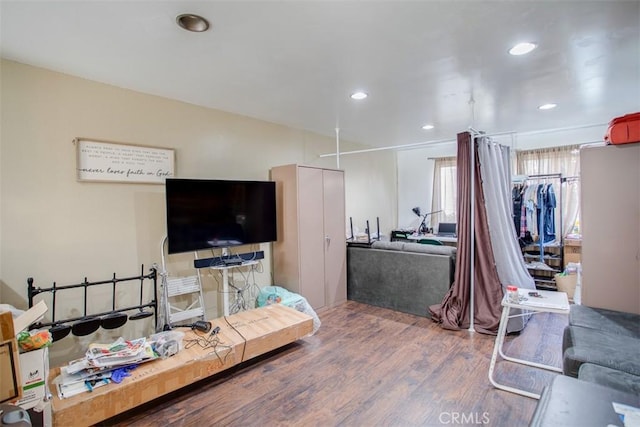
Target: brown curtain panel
{"points": [[453, 312]]}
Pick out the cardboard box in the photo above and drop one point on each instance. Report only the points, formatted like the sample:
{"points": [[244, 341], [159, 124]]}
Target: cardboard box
{"points": [[10, 373], [10, 388], [572, 251], [30, 316], [34, 368]]}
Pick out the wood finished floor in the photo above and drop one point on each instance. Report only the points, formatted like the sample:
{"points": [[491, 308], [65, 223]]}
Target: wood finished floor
{"points": [[369, 366]]}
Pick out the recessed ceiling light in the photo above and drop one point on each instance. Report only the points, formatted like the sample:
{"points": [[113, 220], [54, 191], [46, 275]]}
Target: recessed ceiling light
{"points": [[522, 48], [547, 106], [191, 22], [427, 127], [359, 95]]}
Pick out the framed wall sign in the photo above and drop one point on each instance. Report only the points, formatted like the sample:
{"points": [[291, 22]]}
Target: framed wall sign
{"points": [[104, 161]]}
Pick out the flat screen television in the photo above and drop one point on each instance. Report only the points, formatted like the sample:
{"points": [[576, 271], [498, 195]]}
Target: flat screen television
{"points": [[204, 214]]}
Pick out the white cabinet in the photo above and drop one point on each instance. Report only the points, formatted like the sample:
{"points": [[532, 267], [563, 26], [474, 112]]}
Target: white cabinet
{"points": [[309, 256], [610, 183]]}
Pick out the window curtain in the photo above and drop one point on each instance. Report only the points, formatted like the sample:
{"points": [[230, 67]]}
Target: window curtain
{"points": [[566, 161], [444, 191], [453, 312], [495, 168]]}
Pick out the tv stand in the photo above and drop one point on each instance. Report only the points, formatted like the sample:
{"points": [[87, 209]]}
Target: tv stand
{"points": [[223, 264], [224, 270]]}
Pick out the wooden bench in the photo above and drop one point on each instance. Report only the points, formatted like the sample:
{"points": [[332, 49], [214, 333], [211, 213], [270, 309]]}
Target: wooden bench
{"points": [[248, 334]]}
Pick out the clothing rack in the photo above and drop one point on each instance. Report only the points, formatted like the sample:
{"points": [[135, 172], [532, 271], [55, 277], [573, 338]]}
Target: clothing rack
{"points": [[570, 178], [559, 233], [557, 176]]}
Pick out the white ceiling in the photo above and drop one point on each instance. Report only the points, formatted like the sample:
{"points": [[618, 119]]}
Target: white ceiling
{"points": [[296, 62]]}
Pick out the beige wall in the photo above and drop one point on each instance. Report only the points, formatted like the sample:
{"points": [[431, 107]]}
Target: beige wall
{"points": [[54, 228]]}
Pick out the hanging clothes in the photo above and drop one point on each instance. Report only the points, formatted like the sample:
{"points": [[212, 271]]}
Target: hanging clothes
{"points": [[530, 206], [523, 218], [534, 213], [549, 214], [516, 196], [545, 211], [523, 215]]}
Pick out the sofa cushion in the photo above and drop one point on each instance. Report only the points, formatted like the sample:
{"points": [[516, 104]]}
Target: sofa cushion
{"points": [[429, 249], [415, 247], [611, 378], [390, 246], [585, 345], [615, 322]]}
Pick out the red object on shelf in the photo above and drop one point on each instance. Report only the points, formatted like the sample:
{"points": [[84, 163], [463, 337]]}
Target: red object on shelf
{"points": [[624, 129]]}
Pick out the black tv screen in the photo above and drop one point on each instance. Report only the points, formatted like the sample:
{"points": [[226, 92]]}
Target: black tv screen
{"points": [[204, 214]]}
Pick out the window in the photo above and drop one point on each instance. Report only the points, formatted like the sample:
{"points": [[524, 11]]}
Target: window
{"points": [[444, 191]]}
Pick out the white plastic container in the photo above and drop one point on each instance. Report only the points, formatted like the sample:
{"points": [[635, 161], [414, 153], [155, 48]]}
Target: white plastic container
{"points": [[512, 294]]}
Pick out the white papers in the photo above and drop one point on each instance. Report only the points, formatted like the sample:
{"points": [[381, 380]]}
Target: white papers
{"points": [[630, 415], [551, 300], [69, 390], [118, 353], [100, 361]]}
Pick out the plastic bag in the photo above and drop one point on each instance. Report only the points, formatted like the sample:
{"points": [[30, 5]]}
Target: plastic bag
{"points": [[167, 343], [277, 295]]}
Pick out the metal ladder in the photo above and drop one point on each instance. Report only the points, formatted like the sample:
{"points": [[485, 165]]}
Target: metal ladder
{"points": [[182, 297]]}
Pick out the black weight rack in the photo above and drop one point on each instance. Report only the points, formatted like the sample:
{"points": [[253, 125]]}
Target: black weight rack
{"points": [[141, 308]]}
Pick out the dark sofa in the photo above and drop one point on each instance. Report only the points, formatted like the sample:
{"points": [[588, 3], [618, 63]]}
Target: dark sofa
{"points": [[603, 346], [601, 367], [402, 276]]}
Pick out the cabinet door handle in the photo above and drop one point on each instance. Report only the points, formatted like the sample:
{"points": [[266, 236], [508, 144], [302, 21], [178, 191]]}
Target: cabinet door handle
{"points": [[327, 239]]}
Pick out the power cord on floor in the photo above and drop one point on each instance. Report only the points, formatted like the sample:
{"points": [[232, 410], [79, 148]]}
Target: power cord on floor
{"points": [[242, 336], [209, 340]]}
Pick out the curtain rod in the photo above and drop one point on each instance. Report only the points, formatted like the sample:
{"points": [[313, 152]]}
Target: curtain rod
{"points": [[444, 141], [580, 144], [392, 147]]}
